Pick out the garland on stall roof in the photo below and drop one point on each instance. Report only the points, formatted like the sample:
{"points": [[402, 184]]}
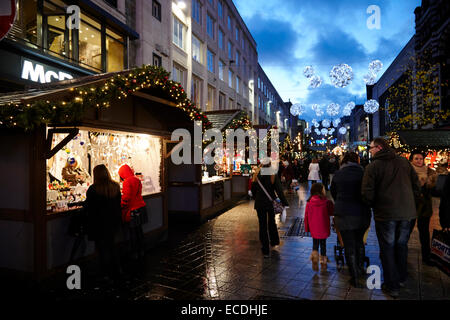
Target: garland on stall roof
{"points": [[395, 143], [154, 79]]}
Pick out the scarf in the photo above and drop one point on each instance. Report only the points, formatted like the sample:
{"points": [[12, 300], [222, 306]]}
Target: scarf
{"points": [[422, 173]]}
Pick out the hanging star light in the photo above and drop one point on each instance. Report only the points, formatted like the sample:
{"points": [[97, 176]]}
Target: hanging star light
{"points": [[341, 75], [375, 66], [371, 106], [333, 109], [326, 123], [336, 122], [315, 82], [308, 71], [342, 130]]}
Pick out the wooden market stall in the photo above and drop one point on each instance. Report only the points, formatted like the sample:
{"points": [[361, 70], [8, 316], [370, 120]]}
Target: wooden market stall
{"points": [[117, 118]]}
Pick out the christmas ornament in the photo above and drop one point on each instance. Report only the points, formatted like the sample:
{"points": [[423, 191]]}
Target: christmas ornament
{"points": [[325, 123], [342, 130], [336, 122], [315, 82], [308, 71], [333, 109], [324, 131], [341, 75], [371, 106], [375, 66]]}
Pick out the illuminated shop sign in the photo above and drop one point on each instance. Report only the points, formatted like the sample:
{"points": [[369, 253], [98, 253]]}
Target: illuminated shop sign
{"points": [[38, 72], [324, 141]]}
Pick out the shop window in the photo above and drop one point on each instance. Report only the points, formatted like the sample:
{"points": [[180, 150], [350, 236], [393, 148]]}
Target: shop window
{"points": [[156, 9], [115, 51], [90, 46], [25, 26], [54, 20], [157, 61], [211, 95], [196, 91], [89, 148]]}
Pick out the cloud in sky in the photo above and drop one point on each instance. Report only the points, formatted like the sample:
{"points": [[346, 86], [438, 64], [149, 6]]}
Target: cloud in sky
{"points": [[291, 34]]}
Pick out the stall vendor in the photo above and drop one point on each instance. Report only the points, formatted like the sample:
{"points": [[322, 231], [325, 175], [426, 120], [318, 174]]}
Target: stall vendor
{"points": [[73, 173]]}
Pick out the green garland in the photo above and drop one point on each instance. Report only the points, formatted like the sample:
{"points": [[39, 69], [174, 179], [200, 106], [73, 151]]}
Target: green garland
{"points": [[154, 79]]}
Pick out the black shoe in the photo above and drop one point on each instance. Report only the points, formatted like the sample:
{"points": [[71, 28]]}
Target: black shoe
{"points": [[354, 271], [394, 293]]}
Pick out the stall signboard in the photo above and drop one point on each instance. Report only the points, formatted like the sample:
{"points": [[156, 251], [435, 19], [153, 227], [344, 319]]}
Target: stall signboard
{"points": [[7, 16], [39, 72]]}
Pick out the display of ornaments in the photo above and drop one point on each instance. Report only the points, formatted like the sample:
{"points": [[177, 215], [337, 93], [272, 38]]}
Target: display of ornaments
{"points": [[308, 72], [342, 130], [315, 82], [336, 122], [326, 123], [371, 106], [333, 109], [341, 75], [297, 109]]}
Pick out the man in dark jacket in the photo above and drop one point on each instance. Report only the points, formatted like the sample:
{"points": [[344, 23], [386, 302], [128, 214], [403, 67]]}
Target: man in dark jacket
{"points": [[266, 216], [391, 186], [324, 167]]}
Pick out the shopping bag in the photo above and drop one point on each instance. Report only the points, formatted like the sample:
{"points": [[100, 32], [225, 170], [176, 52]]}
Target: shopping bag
{"points": [[440, 250], [283, 215]]}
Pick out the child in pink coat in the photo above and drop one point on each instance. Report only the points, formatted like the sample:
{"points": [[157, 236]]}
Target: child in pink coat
{"points": [[317, 221]]}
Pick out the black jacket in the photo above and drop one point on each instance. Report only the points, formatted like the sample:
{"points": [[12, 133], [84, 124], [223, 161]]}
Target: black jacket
{"points": [[324, 166], [391, 187], [346, 191], [261, 200], [104, 215], [444, 206]]}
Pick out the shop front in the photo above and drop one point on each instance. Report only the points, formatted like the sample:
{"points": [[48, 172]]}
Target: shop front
{"points": [[52, 139]]}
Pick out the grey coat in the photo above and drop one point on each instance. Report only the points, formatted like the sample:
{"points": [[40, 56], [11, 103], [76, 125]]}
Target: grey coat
{"points": [[391, 187]]}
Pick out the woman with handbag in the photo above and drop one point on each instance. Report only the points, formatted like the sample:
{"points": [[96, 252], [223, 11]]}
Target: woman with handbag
{"points": [[103, 219], [264, 188], [133, 210], [427, 179]]}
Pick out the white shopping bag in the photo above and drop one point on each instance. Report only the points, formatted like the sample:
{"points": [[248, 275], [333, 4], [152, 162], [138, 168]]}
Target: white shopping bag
{"points": [[283, 216]]}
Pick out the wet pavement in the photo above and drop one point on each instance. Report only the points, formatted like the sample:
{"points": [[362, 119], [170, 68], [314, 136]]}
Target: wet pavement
{"points": [[221, 260]]}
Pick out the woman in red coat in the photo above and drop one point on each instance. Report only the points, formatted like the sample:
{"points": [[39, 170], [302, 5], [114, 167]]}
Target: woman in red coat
{"points": [[133, 213], [317, 221]]}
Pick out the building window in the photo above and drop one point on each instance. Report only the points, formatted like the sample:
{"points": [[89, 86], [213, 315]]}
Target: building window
{"points": [[90, 43], [230, 78], [259, 83], [157, 61], [230, 104], [229, 23], [237, 35], [210, 61], [220, 9], [196, 91], [237, 58], [112, 3], [156, 9], [211, 95], [220, 39], [230, 50], [222, 101], [196, 49], [221, 69], [210, 26], [178, 74], [243, 42], [115, 51], [178, 30], [197, 11], [237, 84]]}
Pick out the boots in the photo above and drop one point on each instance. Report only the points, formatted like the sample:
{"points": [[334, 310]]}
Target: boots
{"points": [[354, 270], [315, 260], [323, 263], [360, 256]]}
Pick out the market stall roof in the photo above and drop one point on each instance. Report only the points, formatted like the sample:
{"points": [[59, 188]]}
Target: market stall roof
{"points": [[425, 138], [220, 119]]}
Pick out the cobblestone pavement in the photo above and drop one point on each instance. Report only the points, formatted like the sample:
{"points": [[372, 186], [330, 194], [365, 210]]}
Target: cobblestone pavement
{"points": [[221, 259]]}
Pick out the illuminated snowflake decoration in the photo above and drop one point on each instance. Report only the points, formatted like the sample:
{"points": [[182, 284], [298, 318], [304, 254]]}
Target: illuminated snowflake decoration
{"points": [[317, 109], [370, 78], [317, 131], [308, 71], [297, 109], [346, 112], [307, 131], [351, 105], [315, 123], [341, 75], [331, 131], [371, 106], [333, 109], [326, 123], [336, 122], [324, 131], [342, 130], [375, 66], [315, 82]]}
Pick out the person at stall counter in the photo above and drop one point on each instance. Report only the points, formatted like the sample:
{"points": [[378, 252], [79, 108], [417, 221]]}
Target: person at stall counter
{"points": [[73, 173], [133, 210]]}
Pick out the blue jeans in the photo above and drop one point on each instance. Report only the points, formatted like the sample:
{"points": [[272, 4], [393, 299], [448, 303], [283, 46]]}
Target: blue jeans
{"points": [[393, 239]]}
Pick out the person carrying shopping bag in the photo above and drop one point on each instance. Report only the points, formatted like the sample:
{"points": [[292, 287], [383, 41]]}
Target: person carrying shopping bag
{"points": [[317, 222], [264, 186]]}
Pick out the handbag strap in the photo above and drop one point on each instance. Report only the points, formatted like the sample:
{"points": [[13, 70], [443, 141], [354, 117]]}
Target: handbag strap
{"points": [[264, 189]]}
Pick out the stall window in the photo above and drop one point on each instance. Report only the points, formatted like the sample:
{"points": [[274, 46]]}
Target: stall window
{"points": [[67, 187], [115, 51]]}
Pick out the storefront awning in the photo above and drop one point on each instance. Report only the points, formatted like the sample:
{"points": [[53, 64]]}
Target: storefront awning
{"points": [[438, 139]]}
